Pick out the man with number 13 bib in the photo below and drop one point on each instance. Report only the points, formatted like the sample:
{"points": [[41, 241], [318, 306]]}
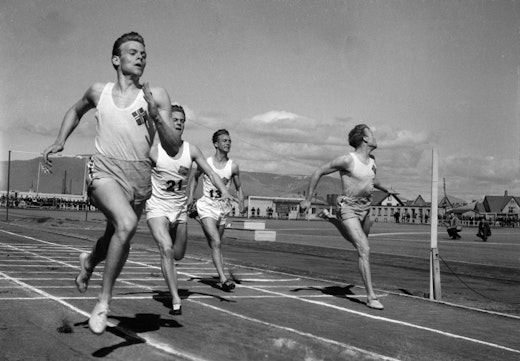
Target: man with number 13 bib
{"points": [[212, 208]]}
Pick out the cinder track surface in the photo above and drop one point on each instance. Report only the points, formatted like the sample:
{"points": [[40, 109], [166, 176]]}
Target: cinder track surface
{"points": [[297, 299]]}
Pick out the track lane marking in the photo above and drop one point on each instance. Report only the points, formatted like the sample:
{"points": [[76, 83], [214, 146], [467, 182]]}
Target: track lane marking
{"points": [[362, 314]]}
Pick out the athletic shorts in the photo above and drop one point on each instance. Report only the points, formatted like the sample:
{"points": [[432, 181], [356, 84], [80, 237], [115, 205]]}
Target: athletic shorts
{"points": [[353, 207], [213, 208], [134, 177], [174, 211]]}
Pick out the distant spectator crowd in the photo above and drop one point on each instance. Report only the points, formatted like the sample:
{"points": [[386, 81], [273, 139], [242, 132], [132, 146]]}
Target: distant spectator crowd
{"points": [[44, 203]]}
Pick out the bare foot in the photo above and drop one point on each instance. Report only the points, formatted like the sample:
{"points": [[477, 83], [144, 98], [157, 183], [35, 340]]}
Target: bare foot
{"points": [[324, 214], [84, 275]]}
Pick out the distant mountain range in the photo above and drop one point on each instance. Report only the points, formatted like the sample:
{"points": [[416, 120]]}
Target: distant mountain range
{"points": [[68, 177]]}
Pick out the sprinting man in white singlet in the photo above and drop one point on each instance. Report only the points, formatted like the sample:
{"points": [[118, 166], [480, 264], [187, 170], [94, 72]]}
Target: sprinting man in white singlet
{"points": [[166, 208], [358, 176], [119, 182], [212, 209]]}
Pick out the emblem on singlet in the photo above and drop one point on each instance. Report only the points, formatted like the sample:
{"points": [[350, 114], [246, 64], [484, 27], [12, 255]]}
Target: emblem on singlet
{"points": [[140, 116], [183, 171]]}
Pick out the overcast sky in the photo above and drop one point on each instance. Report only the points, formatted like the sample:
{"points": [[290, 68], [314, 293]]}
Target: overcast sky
{"points": [[288, 79]]}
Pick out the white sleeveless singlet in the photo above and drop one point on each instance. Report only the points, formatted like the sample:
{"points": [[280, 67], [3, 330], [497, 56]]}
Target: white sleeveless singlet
{"points": [[359, 182], [123, 133], [208, 189], [170, 176]]}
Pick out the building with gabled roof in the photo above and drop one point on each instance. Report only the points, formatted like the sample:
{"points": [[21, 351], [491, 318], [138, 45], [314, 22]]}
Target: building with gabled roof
{"points": [[496, 208], [380, 198], [470, 210], [419, 202], [449, 202], [502, 206]]}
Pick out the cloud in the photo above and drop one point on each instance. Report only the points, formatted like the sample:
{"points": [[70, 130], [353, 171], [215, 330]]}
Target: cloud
{"points": [[274, 116], [465, 176], [397, 138], [30, 128], [482, 170], [282, 126], [284, 142]]}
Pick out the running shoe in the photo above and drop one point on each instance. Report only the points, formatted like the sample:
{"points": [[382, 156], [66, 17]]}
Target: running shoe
{"points": [[98, 319]]}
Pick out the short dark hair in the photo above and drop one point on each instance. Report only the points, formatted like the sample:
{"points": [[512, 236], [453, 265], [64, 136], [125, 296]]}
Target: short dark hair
{"points": [[355, 137], [218, 133], [131, 36], [178, 108]]}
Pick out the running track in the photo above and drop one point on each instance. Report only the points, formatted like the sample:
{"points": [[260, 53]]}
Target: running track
{"points": [[269, 316]]}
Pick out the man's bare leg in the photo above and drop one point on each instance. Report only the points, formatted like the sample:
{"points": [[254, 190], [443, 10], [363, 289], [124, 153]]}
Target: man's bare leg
{"points": [[213, 236], [167, 238], [324, 214], [353, 231], [111, 200], [89, 261]]}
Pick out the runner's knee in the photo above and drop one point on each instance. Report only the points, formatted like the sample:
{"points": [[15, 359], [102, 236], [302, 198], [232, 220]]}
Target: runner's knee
{"points": [[167, 252], [215, 242], [126, 227], [363, 250]]}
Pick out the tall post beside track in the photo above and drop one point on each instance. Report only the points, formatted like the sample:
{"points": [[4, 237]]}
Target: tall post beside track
{"points": [[435, 274]]}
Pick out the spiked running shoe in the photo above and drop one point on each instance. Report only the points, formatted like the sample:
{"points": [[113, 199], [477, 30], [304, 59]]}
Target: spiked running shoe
{"points": [[375, 304], [176, 309], [228, 285]]}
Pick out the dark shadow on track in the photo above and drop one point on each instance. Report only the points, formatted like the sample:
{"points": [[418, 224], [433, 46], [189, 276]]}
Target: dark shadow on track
{"points": [[166, 299], [213, 282], [336, 291], [129, 328]]}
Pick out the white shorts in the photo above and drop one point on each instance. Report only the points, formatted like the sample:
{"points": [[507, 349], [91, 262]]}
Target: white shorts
{"points": [[174, 211], [213, 208]]}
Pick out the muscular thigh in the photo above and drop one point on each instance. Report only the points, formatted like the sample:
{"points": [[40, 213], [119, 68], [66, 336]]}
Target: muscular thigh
{"points": [[210, 227], [181, 239], [355, 230], [110, 198], [159, 228]]}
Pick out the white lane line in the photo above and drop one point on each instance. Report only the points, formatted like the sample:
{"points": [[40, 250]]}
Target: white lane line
{"points": [[407, 324], [390, 320], [235, 297], [397, 234], [167, 348], [149, 340], [348, 347], [312, 336]]}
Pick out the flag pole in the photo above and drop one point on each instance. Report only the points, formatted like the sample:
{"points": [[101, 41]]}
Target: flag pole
{"points": [[38, 179]]}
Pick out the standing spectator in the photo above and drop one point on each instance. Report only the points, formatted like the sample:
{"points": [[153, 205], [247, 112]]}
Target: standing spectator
{"points": [[396, 216]]}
